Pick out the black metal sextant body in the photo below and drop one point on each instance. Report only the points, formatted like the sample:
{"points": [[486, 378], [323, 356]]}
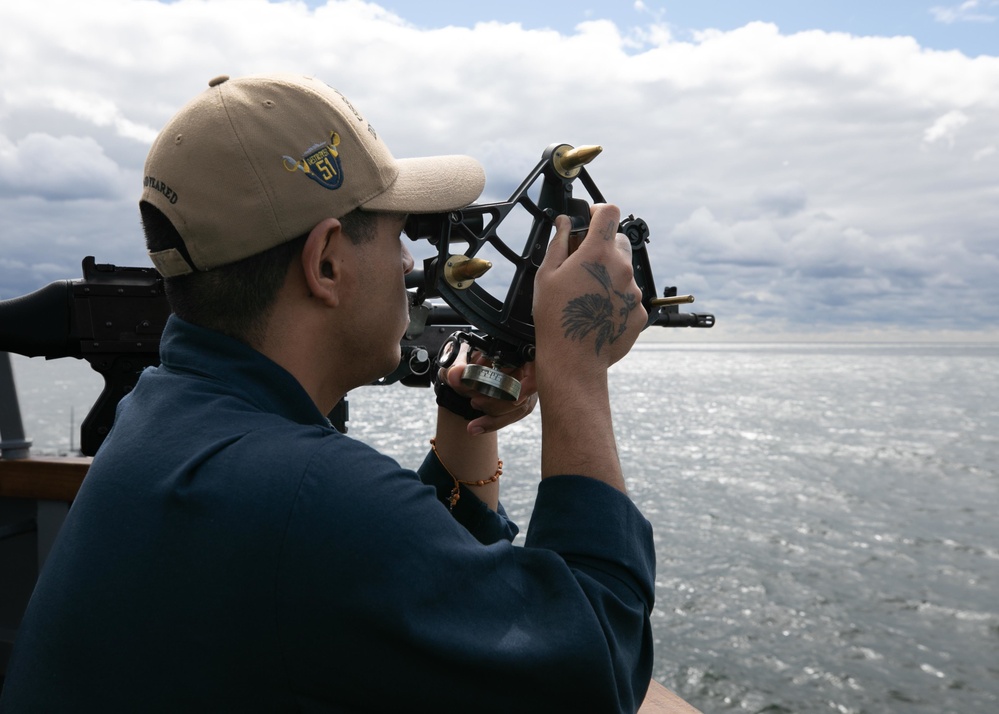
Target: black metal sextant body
{"points": [[504, 321]]}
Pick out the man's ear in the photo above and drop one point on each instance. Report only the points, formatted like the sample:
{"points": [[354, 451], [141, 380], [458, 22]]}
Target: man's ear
{"points": [[322, 263]]}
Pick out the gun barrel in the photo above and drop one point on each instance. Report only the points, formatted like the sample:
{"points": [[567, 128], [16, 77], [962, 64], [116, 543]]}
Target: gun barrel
{"points": [[39, 324], [665, 318]]}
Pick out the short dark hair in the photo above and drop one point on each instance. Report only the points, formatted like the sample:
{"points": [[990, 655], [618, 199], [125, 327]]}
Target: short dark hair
{"points": [[235, 299]]}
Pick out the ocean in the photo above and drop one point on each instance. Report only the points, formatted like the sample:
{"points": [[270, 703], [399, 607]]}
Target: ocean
{"points": [[825, 515]]}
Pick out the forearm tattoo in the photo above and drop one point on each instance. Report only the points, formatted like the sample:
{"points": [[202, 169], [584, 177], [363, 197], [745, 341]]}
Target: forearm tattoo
{"points": [[595, 313]]}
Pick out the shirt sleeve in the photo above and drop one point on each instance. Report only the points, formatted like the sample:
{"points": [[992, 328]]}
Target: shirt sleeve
{"points": [[385, 598]]}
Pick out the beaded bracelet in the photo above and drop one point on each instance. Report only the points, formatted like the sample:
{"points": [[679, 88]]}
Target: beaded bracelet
{"points": [[455, 492]]}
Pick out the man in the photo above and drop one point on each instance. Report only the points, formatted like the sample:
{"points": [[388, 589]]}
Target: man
{"points": [[230, 551]]}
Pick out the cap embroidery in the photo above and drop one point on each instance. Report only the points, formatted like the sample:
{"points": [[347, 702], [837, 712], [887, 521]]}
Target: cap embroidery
{"points": [[321, 163], [157, 185]]}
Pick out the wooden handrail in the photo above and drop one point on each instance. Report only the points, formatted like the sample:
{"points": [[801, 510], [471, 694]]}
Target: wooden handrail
{"points": [[59, 478], [43, 478], [660, 700]]}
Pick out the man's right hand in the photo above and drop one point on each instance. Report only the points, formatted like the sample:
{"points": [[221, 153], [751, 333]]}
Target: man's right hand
{"points": [[587, 308], [587, 315]]}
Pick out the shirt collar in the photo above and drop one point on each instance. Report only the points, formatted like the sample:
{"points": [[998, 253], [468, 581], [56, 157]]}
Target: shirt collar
{"points": [[189, 348]]}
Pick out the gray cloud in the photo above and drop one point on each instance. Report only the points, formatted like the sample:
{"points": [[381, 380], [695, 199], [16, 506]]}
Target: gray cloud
{"points": [[783, 199], [61, 168]]}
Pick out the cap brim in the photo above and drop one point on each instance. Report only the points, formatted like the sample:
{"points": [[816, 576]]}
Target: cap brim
{"points": [[431, 185]]}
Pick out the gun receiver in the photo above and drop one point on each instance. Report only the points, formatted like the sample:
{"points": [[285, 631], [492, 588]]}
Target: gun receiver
{"points": [[112, 318]]}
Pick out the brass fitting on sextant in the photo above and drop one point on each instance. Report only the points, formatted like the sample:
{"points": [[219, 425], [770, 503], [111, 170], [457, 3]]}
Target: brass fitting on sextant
{"points": [[674, 300], [568, 160], [460, 271]]}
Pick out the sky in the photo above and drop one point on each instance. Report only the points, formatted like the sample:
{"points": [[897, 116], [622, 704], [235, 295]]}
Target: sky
{"points": [[806, 169]]}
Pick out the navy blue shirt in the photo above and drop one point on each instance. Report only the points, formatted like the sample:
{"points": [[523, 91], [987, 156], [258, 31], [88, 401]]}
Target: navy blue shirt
{"points": [[230, 551]]}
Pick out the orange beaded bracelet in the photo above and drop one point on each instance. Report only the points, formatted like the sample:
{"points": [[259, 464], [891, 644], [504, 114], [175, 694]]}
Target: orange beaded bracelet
{"points": [[455, 492]]}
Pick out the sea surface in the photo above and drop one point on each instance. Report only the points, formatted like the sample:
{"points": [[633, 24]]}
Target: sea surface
{"points": [[826, 515]]}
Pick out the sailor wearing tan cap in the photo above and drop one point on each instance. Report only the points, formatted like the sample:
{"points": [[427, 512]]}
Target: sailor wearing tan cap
{"points": [[231, 551]]}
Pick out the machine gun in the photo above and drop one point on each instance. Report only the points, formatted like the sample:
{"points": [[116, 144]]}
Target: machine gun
{"points": [[114, 316]]}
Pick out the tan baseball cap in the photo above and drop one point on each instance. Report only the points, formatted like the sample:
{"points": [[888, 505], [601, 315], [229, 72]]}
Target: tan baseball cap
{"points": [[257, 161]]}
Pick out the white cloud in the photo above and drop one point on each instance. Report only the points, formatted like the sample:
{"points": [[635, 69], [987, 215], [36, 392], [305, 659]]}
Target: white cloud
{"points": [[985, 153], [87, 106], [814, 179], [969, 11], [946, 128]]}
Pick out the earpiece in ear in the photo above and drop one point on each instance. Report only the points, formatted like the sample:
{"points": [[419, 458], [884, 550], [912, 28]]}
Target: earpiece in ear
{"points": [[326, 269]]}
